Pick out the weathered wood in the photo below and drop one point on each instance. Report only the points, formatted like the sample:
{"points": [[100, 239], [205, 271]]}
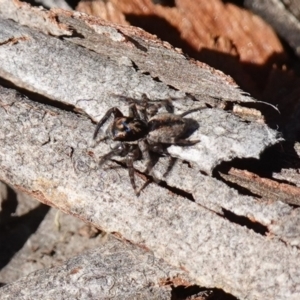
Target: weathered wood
{"points": [[37, 237], [127, 53], [97, 77], [115, 270], [47, 151]]}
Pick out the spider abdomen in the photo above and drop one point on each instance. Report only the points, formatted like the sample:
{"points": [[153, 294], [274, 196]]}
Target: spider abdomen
{"points": [[166, 128]]}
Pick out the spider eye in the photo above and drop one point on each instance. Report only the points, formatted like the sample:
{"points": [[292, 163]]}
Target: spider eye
{"points": [[127, 128]]}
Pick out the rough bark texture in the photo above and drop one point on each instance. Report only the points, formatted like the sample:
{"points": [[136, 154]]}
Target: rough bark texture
{"points": [[209, 231], [38, 237], [115, 269], [226, 37]]}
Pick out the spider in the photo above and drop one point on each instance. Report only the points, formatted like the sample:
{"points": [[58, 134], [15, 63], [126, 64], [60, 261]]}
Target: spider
{"points": [[144, 131]]}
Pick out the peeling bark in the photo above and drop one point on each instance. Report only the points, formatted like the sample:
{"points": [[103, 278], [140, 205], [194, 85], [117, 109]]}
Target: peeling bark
{"points": [[267, 188]]}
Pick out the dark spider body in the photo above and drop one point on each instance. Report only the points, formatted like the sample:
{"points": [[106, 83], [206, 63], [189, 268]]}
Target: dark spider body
{"points": [[128, 129], [168, 128], [138, 134]]}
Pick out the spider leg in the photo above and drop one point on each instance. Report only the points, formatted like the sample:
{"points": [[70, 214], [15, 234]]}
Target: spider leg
{"points": [[158, 148], [112, 111], [152, 107], [141, 107], [145, 147], [183, 142], [118, 150], [133, 154], [133, 113], [191, 111], [169, 105], [137, 108], [172, 161]]}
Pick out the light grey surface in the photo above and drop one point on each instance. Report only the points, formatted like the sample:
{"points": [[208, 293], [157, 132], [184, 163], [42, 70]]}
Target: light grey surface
{"points": [[293, 6], [36, 17], [129, 271], [217, 196], [45, 151], [114, 270], [224, 137], [126, 57]]}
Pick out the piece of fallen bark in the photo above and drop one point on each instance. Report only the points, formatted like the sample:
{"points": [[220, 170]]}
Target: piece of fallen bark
{"points": [[269, 189], [115, 270], [36, 237], [284, 16], [250, 211], [97, 77], [132, 54], [57, 238], [44, 151], [293, 6], [226, 36]]}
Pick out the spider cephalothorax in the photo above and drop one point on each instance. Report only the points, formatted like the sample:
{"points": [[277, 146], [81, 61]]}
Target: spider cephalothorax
{"points": [[123, 129], [145, 131]]}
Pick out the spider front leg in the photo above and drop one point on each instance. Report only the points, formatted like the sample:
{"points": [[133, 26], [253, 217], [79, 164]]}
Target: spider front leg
{"points": [[137, 111], [137, 108], [112, 111], [131, 152], [118, 150], [133, 113]]}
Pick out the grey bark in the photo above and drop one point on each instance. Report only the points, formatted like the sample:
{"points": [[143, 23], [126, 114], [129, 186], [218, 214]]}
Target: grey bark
{"points": [[47, 152], [114, 270]]}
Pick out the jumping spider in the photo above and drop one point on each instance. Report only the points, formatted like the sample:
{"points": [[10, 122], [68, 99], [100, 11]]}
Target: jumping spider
{"points": [[144, 131]]}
